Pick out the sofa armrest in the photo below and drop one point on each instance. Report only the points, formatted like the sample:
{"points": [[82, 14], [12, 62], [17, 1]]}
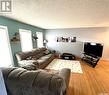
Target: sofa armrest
{"points": [[65, 74]]}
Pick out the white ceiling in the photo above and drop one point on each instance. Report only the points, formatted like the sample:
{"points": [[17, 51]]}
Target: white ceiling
{"points": [[53, 14]]}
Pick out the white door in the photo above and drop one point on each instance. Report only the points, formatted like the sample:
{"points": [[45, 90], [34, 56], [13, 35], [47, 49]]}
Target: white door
{"points": [[26, 40], [5, 49]]}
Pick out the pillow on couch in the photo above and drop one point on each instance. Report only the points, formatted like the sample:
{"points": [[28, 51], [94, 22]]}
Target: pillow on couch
{"points": [[24, 63], [30, 67], [47, 52], [29, 58]]}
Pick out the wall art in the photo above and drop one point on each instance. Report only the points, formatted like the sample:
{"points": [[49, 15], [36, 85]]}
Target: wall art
{"points": [[66, 39]]}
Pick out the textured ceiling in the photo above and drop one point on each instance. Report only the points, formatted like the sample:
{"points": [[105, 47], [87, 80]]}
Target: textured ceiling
{"points": [[53, 14]]}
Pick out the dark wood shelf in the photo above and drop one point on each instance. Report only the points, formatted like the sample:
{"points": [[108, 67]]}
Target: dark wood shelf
{"points": [[91, 59]]}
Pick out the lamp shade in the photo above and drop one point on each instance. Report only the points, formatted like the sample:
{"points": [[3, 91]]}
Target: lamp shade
{"points": [[45, 41]]}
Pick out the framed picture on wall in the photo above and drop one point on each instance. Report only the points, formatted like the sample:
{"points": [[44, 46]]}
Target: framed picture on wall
{"points": [[66, 39], [73, 39]]}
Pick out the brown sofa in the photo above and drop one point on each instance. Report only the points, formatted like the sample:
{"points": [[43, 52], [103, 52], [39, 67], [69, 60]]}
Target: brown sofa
{"points": [[39, 58], [20, 81], [31, 78]]}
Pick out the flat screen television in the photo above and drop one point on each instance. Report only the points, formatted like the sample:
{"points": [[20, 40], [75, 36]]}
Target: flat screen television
{"points": [[93, 49]]}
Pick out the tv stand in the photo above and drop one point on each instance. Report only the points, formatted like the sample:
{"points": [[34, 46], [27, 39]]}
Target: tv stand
{"points": [[91, 59]]}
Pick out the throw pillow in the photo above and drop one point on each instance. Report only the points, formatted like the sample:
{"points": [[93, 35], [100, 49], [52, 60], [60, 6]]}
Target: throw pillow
{"points": [[47, 52], [28, 62], [29, 58], [30, 67]]}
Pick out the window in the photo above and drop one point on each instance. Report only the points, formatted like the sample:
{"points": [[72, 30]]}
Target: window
{"points": [[5, 49], [26, 40], [40, 39]]}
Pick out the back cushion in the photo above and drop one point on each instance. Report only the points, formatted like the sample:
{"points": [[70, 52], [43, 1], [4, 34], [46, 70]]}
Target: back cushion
{"points": [[37, 53], [37, 56], [42, 49], [23, 55]]}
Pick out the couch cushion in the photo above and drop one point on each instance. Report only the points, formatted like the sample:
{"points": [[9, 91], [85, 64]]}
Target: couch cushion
{"points": [[40, 61], [29, 58], [49, 81], [23, 55], [47, 52], [43, 49], [30, 67], [48, 55], [45, 57], [35, 51], [35, 57], [45, 60]]}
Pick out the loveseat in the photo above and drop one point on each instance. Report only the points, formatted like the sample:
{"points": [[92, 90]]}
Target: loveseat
{"points": [[30, 78], [20, 81], [36, 58]]}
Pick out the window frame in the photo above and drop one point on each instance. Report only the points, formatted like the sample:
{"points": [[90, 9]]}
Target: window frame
{"points": [[25, 30]]}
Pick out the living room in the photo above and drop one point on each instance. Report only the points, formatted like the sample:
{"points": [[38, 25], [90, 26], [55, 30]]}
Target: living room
{"points": [[63, 27]]}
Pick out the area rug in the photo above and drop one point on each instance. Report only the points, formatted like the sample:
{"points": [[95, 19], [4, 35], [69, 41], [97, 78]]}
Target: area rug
{"points": [[58, 64]]}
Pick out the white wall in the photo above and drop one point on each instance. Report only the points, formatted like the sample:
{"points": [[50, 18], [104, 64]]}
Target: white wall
{"points": [[100, 35]]}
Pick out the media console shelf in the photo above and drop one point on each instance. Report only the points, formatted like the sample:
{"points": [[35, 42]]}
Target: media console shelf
{"points": [[90, 59]]}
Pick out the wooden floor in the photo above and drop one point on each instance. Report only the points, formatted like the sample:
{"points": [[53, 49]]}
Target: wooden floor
{"points": [[93, 81]]}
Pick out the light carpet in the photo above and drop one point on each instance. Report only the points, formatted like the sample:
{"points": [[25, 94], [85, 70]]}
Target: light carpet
{"points": [[58, 64]]}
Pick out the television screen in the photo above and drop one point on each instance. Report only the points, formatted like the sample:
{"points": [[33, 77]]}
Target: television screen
{"points": [[94, 49]]}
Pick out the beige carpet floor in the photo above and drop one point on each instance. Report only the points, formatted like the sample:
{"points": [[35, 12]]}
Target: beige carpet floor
{"points": [[58, 64]]}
